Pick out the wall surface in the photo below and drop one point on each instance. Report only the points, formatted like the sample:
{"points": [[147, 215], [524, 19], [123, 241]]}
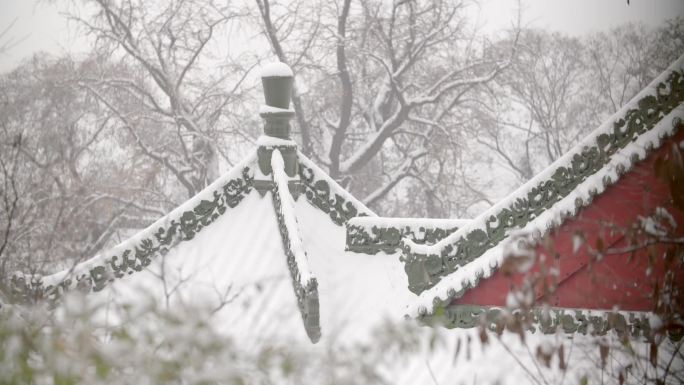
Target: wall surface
{"points": [[622, 277]]}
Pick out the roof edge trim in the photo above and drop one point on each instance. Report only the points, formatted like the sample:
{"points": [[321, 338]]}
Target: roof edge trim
{"points": [[371, 235], [328, 196], [549, 321], [136, 253]]}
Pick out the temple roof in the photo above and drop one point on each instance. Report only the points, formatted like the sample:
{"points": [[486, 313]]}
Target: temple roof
{"points": [[268, 234], [227, 240], [275, 243], [440, 257]]}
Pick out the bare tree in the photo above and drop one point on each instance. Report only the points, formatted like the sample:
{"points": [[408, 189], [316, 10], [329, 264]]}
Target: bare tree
{"points": [[7, 40], [559, 88], [544, 115], [625, 59], [69, 183], [9, 193], [180, 103], [401, 71]]}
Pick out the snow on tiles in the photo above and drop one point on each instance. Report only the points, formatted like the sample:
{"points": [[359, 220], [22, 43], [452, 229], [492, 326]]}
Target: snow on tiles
{"points": [[415, 224], [272, 142], [290, 219], [147, 234]]}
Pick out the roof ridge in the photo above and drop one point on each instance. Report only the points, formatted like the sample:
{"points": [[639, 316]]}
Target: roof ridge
{"points": [[303, 280], [327, 195], [136, 252], [607, 152]]}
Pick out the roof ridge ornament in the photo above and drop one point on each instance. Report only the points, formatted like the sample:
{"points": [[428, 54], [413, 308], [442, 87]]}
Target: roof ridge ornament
{"points": [[277, 79]]}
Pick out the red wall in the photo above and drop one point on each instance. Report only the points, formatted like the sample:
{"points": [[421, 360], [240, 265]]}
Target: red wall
{"points": [[621, 280]]}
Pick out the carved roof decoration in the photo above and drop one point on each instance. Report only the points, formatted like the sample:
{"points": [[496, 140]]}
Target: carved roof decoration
{"points": [[374, 234], [548, 321], [323, 192]]}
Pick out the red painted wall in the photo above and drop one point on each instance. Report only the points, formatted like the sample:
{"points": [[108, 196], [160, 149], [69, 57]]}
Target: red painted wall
{"points": [[622, 280]]}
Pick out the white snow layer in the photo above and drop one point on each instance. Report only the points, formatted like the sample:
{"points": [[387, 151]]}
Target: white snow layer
{"points": [[289, 218], [276, 69], [240, 258], [554, 216], [271, 141], [415, 224]]}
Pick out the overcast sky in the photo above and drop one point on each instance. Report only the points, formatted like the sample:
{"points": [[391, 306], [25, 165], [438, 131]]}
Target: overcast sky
{"points": [[41, 27]]}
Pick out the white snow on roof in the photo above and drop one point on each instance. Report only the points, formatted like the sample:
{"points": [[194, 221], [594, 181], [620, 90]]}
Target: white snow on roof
{"points": [[149, 231], [240, 259], [414, 223], [553, 216], [356, 290], [290, 218], [276, 69]]}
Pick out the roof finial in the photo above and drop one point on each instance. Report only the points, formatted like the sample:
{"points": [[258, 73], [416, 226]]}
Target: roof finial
{"points": [[277, 79]]}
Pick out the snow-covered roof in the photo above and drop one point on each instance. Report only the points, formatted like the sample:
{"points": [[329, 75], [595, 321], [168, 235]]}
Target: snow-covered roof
{"points": [[267, 249], [240, 259], [445, 270], [243, 232], [215, 228]]}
